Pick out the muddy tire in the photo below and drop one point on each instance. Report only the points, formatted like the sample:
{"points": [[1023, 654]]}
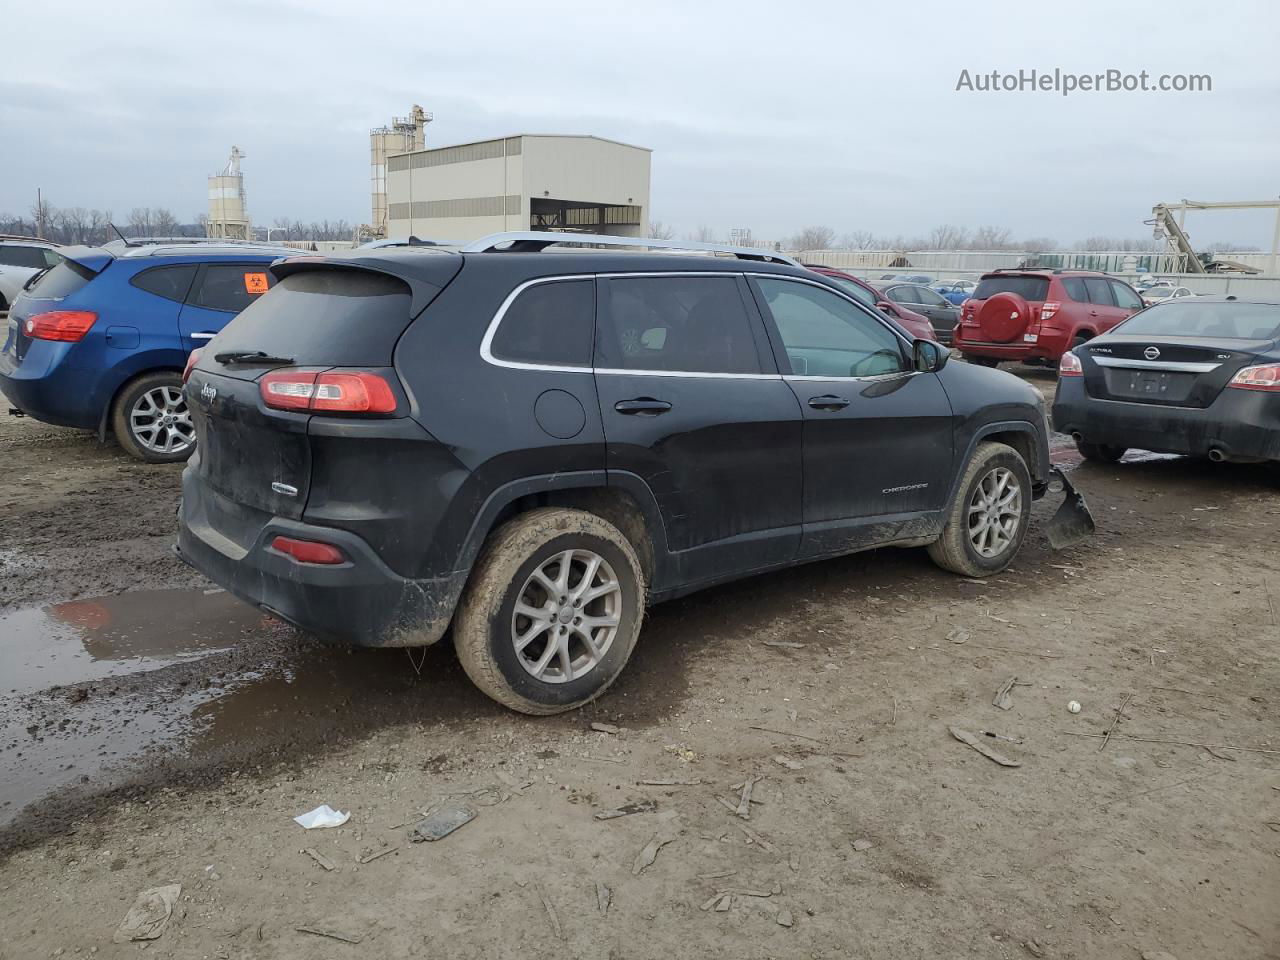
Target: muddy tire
{"points": [[988, 520], [551, 611], [150, 419], [1100, 452]]}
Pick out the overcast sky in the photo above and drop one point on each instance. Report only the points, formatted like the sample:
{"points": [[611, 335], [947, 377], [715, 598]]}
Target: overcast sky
{"points": [[765, 115]]}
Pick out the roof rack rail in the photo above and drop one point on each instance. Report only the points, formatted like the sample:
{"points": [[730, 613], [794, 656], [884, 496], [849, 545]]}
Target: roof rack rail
{"points": [[532, 241]]}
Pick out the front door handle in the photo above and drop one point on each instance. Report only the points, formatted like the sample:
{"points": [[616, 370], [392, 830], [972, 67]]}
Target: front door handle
{"points": [[828, 402], [642, 407]]}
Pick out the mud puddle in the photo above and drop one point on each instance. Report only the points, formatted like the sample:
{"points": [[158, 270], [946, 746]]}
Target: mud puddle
{"points": [[84, 640], [107, 692]]}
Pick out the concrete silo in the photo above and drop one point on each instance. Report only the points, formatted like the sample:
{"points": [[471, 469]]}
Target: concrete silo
{"points": [[403, 135], [228, 213]]}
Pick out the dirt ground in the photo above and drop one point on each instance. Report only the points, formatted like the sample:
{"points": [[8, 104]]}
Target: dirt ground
{"points": [[171, 735]]}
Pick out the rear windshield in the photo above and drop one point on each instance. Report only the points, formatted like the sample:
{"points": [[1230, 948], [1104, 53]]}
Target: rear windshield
{"points": [[61, 281], [1187, 317], [1028, 288], [333, 317]]}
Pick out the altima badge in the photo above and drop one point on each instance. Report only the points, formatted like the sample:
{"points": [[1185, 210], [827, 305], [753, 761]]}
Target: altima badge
{"points": [[286, 489], [208, 392]]}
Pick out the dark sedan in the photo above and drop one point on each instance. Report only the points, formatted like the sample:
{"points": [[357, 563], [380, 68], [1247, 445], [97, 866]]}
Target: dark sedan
{"points": [[1198, 376], [940, 312]]}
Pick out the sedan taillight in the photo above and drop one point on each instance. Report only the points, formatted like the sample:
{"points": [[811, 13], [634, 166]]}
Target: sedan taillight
{"points": [[1264, 377], [356, 391], [1070, 366], [66, 326]]}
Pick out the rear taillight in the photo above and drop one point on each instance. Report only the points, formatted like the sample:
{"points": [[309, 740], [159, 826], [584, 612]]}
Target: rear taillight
{"points": [[192, 359], [1265, 377], [308, 551], [1049, 308], [1070, 366], [67, 326], [357, 391]]}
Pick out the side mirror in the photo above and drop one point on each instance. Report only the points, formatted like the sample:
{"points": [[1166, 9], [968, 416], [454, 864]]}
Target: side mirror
{"points": [[929, 356]]}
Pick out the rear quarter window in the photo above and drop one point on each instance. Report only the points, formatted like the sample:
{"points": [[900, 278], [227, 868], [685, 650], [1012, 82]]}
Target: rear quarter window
{"points": [[549, 324], [62, 281], [171, 283], [1028, 288]]}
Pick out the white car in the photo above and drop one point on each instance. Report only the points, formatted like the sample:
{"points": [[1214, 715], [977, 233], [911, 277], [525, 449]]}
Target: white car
{"points": [[1163, 291], [20, 259]]}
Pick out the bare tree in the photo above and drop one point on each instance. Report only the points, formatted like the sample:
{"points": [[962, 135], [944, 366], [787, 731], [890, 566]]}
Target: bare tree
{"points": [[703, 234], [660, 231], [42, 215], [990, 238], [858, 240], [947, 237], [163, 222], [1038, 244], [813, 238]]}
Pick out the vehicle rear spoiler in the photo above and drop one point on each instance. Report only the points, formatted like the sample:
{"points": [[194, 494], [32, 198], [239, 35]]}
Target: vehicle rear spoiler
{"points": [[91, 258], [440, 269]]}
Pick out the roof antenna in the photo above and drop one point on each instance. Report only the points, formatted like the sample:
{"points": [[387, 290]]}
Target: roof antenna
{"points": [[120, 235]]}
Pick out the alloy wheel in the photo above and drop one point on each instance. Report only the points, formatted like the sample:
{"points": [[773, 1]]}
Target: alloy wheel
{"points": [[995, 511], [161, 422], [566, 616]]}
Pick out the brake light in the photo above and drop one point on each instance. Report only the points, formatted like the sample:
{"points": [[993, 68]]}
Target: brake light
{"points": [[358, 391], [1049, 308], [1070, 366], [1265, 377], [308, 551], [66, 326], [192, 358]]}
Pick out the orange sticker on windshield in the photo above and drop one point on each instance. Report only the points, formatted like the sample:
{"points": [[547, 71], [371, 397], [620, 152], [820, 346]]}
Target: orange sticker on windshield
{"points": [[255, 283]]}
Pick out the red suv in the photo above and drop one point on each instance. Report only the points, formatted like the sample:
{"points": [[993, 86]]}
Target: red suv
{"points": [[914, 323], [1038, 315]]}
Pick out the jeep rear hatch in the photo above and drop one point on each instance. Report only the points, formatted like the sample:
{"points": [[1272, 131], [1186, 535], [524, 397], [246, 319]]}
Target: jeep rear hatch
{"points": [[323, 335]]}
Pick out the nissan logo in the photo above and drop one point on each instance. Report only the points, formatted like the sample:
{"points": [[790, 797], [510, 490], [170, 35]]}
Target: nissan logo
{"points": [[1151, 353], [208, 392]]}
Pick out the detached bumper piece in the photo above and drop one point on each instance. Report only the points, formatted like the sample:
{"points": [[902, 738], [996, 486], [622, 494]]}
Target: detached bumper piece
{"points": [[1073, 523]]}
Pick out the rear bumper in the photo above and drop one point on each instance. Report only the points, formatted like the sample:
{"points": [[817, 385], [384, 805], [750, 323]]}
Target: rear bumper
{"points": [[1241, 424], [1047, 347], [361, 602], [40, 388]]}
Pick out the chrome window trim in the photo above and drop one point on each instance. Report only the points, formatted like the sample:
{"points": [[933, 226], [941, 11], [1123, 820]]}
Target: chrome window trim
{"points": [[486, 345], [1172, 366]]}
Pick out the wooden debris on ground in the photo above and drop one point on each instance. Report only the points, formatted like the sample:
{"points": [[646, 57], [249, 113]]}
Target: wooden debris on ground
{"points": [[649, 853], [320, 858], [965, 737]]}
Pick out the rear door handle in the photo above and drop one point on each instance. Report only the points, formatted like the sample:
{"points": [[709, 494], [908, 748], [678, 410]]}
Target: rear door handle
{"points": [[828, 402], [642, 407], [203, 336]]}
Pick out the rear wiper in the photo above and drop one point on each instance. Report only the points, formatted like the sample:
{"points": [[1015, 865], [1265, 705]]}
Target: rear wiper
{"points": [[251, 356]]}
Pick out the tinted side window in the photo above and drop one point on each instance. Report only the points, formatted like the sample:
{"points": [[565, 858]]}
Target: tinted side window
{"points": [[827, 336], [903, 294], [13, 256], [172, 282], [230, 286], [549, 324], [1125, 297], [1099, 291], [1074, 286], [931, 298], [685, 324]]}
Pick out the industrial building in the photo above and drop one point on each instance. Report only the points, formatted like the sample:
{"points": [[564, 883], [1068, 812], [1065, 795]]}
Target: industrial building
{"points": [[402, 135], [580, 184], [228, 212]]}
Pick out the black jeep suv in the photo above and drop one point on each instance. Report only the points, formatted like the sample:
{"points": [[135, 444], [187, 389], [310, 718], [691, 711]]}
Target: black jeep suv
{"points": [[531, 446]]}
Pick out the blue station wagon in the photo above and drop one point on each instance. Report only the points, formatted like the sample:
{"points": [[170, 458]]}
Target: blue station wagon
{"points": [[99, 341]]}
